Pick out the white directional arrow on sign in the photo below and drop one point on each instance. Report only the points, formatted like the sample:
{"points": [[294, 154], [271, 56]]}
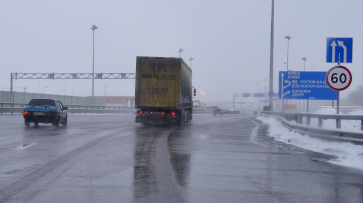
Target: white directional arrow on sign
{"points": [[283, 87], [287, 85], [333, 44], [288, 92], [341, 44]]}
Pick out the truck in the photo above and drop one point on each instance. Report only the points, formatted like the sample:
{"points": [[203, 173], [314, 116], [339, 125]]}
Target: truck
{"points": [[163, 91]]}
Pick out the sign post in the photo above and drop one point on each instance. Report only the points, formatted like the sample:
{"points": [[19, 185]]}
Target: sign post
{"points": [[338, 78]]}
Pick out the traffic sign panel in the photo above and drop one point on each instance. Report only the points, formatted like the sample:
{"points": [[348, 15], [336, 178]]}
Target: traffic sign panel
{"points": [[339, 50], [338, 78], [304, 85], [258, 95]]}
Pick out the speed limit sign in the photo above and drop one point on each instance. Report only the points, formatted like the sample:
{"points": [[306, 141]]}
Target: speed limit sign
{"points": [[338, 78]]}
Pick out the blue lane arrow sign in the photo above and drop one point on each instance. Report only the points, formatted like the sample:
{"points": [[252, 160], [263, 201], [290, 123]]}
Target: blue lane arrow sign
{"points": [[339, 50]]}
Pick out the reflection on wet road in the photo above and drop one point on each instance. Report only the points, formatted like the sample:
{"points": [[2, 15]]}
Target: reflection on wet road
{"points": [[109, 158]]}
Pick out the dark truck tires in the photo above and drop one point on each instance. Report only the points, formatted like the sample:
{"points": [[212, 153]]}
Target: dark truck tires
{"points": [[184, 117]]}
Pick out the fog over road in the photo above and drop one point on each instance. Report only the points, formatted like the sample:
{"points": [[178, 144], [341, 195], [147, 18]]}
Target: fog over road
{"points": [[110, 158]]}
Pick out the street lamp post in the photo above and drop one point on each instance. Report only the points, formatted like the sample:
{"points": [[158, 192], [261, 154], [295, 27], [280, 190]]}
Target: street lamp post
{"points": [[180, 51], [93, 62], [287, 64], [191, 59], [104, 91], [304, 61], [288, 42], [271, 56], [265, 92], [24, 88]]}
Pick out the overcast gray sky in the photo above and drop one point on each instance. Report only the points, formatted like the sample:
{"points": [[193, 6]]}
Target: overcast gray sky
{"points": [[229, 41]]}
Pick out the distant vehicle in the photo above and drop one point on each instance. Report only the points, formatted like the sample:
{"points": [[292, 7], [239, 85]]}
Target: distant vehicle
{"points": [[217, 112], [196, 104], [163, 91], [45, 111], [211, 108]]}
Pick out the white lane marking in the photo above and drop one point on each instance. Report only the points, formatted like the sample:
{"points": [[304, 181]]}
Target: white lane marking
{"points": [[254, 135], [26, 146]]}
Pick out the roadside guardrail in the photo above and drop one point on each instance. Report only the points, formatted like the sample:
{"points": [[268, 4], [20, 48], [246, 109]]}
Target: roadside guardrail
{"points": [[298, 117], [299, 127]]}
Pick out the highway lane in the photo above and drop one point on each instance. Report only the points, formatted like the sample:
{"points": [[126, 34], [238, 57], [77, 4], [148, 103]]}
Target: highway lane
{"points": [[109, 158]]}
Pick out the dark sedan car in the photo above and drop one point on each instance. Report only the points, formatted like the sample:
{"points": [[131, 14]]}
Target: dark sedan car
{"points": [[45, 111]]}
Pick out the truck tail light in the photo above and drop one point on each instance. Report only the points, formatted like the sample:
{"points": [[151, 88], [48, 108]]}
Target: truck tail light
{"points": [[25, 113], [173, 113], [162, 113], [140, 112], [151, 112]]}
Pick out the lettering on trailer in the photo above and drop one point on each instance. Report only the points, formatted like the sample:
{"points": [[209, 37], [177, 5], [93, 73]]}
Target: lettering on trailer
{"points": [[304, 85], [159, 77], [157, 90], [158, 68]]}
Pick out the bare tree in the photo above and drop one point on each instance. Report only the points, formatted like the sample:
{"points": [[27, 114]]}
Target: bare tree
{"points": [[356, 96]]}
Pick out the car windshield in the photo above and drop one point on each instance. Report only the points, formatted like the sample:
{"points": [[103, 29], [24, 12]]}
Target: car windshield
{"points": [[41, 102]]}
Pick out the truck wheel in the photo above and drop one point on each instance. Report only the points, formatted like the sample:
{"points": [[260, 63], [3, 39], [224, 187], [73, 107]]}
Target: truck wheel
{"points": [[187, 116], [181, 118]]}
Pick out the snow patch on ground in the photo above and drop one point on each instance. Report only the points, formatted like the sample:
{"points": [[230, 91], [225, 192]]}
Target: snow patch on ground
{"points": [[348, 154]]}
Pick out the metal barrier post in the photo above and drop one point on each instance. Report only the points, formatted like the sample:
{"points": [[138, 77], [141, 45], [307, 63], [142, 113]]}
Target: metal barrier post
{"points": [[320, 122], [308, 120], [339, 123]]}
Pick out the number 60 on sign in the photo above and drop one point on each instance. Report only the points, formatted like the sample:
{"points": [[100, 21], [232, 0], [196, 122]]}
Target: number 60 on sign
{"points": [[338, 78]]}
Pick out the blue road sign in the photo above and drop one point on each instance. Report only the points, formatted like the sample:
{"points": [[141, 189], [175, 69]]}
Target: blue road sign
{"points": [[339, 50], [258, 95], [305, 85]]}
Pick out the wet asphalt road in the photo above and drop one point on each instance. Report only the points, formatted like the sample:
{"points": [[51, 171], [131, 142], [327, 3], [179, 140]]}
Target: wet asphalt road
{"points": [[109, 158]]}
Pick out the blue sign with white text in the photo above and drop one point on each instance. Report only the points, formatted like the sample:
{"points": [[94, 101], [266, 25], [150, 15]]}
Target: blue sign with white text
{"points": [[304, 85], [339, 50], [258, 95]]}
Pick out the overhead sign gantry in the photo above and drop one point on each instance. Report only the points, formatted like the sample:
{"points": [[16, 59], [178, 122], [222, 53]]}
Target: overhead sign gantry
{"points": [[54, 76]]}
